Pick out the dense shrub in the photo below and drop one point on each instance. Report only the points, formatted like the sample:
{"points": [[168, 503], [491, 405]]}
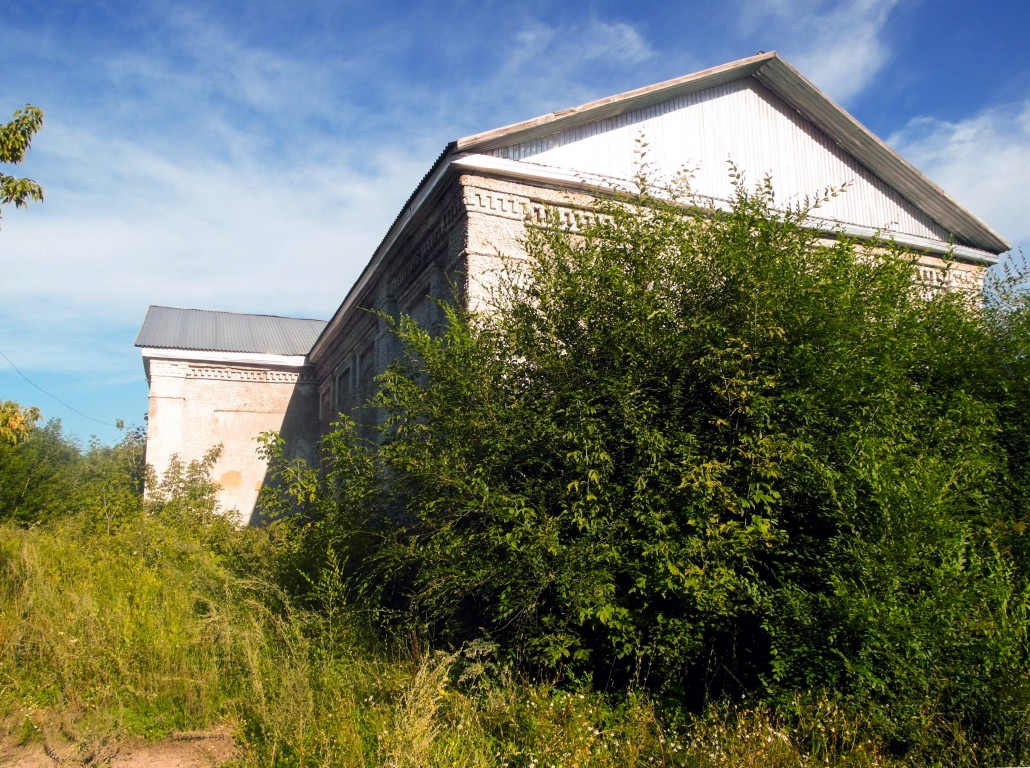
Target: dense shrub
{"points": [[710, 453], [37, 474]]}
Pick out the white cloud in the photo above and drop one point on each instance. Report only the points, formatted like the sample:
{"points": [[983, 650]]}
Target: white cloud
{"points": [[545, 47], [126, 225], [983, 162], [839, 46], [545, 67], [618, 43], [203, 86]]}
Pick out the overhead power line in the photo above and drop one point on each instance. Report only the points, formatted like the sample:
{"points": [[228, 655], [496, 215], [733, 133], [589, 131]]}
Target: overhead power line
{"points": [[55, 397]]}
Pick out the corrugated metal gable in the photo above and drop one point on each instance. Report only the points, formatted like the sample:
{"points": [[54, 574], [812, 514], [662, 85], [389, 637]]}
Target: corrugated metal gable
{"points": [[209, 331], [739, 121], [900, 181]]}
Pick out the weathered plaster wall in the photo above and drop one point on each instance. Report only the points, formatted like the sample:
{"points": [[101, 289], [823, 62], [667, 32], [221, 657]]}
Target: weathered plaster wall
{"points": [[498, 213], [196, 405], [457, 251], [937, 273]]}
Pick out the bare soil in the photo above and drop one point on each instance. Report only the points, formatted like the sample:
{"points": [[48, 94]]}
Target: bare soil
{"points": [[203, 749]]}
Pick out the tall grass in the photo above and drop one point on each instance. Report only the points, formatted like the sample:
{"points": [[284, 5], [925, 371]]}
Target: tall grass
{"points": [[150, 622], [139, 626]]}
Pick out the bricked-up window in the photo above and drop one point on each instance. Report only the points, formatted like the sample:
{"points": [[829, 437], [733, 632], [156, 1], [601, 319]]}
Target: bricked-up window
{"points": [[325, 405], [343, 390], [366, 377]]}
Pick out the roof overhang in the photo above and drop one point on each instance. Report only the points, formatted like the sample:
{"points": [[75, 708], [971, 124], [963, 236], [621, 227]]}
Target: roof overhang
{"points": [[254, 359]]}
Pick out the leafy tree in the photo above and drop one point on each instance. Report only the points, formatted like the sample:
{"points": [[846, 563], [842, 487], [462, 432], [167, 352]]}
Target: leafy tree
{"points": [[15, 138], [47, 475], [711, 453], [108, 481], [16, 422], [38, 475]]}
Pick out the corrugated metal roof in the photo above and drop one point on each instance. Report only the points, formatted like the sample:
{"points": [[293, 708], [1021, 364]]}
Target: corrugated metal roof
{"points": [[205, 330]]}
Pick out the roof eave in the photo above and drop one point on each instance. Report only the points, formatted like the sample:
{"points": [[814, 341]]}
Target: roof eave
{"points": [[217, 356], [410, 213], [854, 138]]}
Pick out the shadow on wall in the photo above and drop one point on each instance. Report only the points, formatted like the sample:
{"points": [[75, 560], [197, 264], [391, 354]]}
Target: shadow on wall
{"points": [[300, 435]]}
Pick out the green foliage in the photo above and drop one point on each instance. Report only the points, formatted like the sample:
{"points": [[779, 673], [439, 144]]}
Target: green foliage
{"points": [[712, 454], [16, 422], [15, 138], [358, 711], [109, 610], [136, 616], [163, 621], [37, 476], [47, 476], [120, 617]]}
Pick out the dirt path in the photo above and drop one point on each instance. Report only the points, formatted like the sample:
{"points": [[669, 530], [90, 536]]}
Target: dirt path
{"points": [[207, 749]]}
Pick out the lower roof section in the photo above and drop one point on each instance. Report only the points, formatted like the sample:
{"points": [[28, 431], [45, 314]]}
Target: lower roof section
{"points": [[205, 330]]}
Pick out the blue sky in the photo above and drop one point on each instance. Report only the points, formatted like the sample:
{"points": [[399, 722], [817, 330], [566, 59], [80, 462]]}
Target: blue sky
{"points": [[249, 156]]}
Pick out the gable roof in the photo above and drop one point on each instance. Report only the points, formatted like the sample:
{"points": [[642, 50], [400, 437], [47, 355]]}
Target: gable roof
{"points": [[484, 152], [209, 331], [779, 77]]}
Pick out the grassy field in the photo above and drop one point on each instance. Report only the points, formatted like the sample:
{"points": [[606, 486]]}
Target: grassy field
{"points": [[149, 623]]}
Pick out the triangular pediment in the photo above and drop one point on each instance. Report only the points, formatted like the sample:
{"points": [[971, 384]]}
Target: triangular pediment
{"points": [[766, 119], [740, 122], [758, 113]]}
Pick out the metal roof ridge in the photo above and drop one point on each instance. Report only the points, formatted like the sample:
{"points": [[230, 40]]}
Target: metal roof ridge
{"points": [[241, 314]]}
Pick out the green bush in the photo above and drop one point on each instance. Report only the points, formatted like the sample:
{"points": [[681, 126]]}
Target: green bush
{"points": [[37, 475], [710, 454]]}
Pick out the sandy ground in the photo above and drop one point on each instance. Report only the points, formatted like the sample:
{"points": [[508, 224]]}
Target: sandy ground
{"points": [[206, 749]]}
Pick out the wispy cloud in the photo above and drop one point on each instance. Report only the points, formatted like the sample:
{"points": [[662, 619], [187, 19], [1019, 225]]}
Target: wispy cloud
{"points": [[840, 46], [542, 67], [215, 178], [983, 161], [201, 84], [196, 228]]}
